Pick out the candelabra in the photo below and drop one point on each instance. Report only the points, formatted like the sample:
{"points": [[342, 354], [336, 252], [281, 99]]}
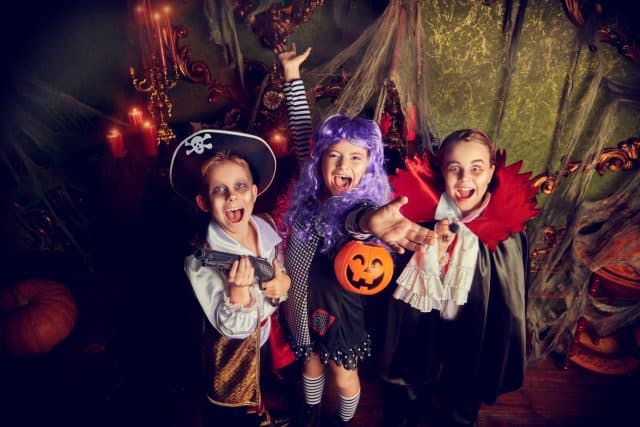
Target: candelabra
{"points": [[160, 71]]}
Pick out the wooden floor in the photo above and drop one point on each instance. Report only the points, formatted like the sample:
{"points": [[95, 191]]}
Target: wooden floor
{"points": [[90, 389], [550, 396]]}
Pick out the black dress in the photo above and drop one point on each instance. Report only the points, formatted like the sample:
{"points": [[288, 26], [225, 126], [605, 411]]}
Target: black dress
{"points": [[336, 317], [322, 316]]}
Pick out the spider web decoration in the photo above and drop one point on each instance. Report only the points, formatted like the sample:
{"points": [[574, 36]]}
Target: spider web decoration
{"points": [[393, 53]]}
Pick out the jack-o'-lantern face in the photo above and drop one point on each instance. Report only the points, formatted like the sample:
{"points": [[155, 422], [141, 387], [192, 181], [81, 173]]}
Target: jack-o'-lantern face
{"points": [[363, 268]]}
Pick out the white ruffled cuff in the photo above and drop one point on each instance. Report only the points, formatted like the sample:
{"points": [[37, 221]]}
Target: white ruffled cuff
{"points": [[420, 288], [461, 275]]}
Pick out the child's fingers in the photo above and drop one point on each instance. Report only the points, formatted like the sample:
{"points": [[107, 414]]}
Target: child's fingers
{"points": [[281, 49], [241, 272], [267, 289], [396, 247], [247, 270], [399, 202], [276, 288], [411, 245], [278, 268], [413, 232], [304, 55], [233, 270]]}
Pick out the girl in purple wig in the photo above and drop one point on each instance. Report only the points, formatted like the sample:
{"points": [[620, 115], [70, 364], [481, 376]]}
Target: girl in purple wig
{"points": [[342, 183], [327, 203]]}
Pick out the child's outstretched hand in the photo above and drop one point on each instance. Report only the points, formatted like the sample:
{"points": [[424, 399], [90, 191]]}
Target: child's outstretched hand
{"points": [[277, 288], [290, 60], [394, 229]]}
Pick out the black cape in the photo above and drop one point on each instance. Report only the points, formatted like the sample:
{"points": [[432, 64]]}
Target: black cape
{"points": [[481, 353]]}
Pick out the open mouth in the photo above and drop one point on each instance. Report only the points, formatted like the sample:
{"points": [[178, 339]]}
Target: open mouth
{"points": [[464, 193], [234, 215], [342, 182]]}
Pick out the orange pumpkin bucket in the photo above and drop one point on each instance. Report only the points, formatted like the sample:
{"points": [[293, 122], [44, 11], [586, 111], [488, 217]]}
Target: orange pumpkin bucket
{"points": [[363, 268]]}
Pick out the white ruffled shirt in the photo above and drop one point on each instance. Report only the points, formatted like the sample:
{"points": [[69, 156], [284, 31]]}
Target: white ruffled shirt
{"points": [[421, 284], [211, 289]]}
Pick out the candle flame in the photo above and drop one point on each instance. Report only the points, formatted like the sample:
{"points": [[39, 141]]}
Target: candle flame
{"points": [[277, 137]]}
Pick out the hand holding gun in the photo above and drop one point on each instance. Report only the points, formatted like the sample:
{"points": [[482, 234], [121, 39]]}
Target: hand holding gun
{"points": [[222, 261]]}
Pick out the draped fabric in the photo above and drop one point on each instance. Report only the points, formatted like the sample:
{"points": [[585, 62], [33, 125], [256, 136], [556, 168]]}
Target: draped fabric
{"points": [[559, 292], [222, 32], [559, 289], [393, 51], [390, 49]]}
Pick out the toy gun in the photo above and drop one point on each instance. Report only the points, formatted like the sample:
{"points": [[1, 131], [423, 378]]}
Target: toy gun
{"points": [[222, 261]]}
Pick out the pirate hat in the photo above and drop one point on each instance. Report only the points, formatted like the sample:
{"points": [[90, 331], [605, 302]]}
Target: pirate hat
{"points": [[189, 156]]}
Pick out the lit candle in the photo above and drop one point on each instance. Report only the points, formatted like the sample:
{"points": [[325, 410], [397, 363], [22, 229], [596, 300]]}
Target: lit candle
{"points": [[144, 51], [170, 41], [115, 142], [278, 142], [149, 139], [135, 117], [162, 58], [148, 27]]}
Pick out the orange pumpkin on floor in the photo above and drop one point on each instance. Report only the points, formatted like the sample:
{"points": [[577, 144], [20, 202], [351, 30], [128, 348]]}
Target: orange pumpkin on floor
{"points": [[35, 316], [363, 268]]}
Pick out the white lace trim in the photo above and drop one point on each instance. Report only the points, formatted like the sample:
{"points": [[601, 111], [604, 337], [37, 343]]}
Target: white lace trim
{"points": [[423, 290]]}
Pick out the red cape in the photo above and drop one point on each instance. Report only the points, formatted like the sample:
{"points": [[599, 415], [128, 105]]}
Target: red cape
{"points": [[513, 198]]}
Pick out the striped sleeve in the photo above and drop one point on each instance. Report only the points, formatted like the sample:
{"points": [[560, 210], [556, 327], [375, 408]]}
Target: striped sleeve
{"points": [[299, 118]]}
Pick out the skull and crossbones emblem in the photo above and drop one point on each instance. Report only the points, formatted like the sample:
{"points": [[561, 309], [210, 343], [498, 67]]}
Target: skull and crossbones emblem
{"points": [[198, 145]]}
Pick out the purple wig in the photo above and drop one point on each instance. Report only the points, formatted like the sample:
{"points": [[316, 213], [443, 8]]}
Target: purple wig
{"points": [[307, 202]]}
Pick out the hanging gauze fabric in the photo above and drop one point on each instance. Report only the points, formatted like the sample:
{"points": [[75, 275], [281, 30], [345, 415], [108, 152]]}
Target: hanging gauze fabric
{"points": [[564, 273], [222, 31], [393, 52]]}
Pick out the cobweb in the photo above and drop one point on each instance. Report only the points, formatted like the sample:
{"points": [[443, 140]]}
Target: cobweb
{"points": [[559, 293], [43, 200], [393, 51]]}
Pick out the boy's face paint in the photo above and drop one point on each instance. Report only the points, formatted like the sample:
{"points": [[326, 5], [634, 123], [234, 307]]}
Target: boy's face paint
{"points": [[343, 165], [467, 172], [232, 196]]}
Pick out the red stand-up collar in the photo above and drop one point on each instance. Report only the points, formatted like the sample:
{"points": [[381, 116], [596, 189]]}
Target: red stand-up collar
{"points": [[512, 203]]}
